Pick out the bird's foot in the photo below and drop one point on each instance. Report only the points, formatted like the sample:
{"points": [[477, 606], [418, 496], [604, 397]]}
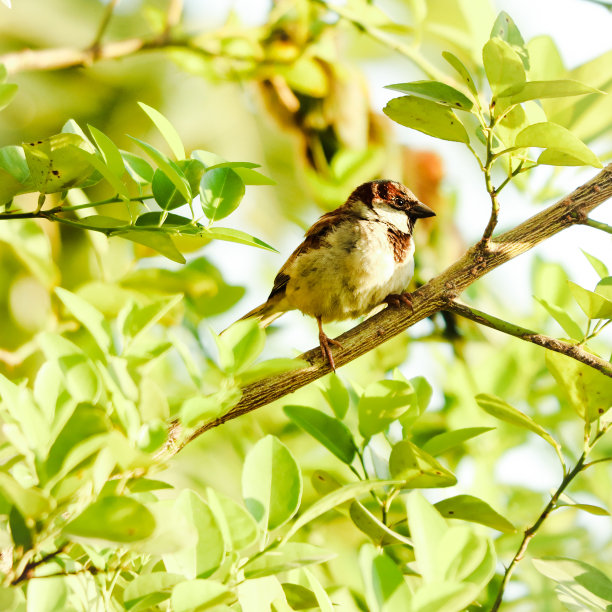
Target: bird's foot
{"points": [[325, 342], [397, 299]]}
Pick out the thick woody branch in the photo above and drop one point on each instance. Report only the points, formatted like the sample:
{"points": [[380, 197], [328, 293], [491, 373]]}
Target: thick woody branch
{"points": [[428, 299], [552, 344]]}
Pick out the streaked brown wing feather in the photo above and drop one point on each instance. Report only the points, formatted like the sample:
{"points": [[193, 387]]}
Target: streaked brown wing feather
{"points": [[314, 237]]}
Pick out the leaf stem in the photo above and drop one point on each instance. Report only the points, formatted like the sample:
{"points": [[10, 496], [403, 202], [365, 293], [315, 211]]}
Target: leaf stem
{"points": [[604, 227], [486, 236]]}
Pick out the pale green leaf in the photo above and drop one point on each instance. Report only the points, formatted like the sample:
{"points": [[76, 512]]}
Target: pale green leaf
{"points": [[271, 483], [166, 129], [426, 116]]}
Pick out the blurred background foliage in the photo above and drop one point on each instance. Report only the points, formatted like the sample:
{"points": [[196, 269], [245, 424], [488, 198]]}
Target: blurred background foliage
{"points": [[291, 93]]}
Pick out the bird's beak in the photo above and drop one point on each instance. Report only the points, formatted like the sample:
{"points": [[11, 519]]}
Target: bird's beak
{"points": [[420, 210]]}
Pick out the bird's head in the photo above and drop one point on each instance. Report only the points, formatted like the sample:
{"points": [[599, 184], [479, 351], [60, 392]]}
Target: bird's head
{"points": [[391, 202]]}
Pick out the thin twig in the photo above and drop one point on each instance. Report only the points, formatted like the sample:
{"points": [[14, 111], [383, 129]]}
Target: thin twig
{"points": [[531, 531], [108, 13], [559, 346]]}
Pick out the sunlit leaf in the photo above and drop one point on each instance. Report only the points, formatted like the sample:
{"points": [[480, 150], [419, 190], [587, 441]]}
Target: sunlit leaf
{"points": [[221, 190], [115, 519], [436, 91], [463, 72], [470, 508], [548, 135], [451, 439], [503, 66], [503, 411], [329, 431], [426, 116], [166, 129], [271, 483]]}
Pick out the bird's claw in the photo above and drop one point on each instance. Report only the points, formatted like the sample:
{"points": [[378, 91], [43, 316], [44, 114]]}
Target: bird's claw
{"points": [[326, 352], [395, 300]]}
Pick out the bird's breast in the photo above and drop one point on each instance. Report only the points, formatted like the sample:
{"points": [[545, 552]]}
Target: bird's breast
{"points": [[351, 271]]}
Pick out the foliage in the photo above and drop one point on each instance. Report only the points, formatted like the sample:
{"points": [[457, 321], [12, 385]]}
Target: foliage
{"points": [[371, 490]]}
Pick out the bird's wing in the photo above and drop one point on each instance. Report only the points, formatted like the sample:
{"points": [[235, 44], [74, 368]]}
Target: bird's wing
{"points": [[314, 237]]}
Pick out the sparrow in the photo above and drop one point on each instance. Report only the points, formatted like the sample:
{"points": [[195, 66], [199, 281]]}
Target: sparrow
{"points": [[354, 258]]}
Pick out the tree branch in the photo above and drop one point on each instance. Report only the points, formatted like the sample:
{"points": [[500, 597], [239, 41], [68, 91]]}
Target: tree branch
{"points": [[571, 350], [427, 300]]}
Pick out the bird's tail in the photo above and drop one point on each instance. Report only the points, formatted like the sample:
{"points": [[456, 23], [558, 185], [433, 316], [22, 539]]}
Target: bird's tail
{"points": [[266, 313]]}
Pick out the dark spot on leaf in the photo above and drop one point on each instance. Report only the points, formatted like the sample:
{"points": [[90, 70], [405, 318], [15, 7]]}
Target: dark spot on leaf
{"points": [[55, 172], [451, 512], [601, 411], [39, 142]]}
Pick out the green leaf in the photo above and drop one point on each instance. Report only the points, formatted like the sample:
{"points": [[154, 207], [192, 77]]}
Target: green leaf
{"points": [[142, 318], [286, 556], [418, 469], [156, 240], [47, 594], [166, 129], [426, 116], [171, 170], [221, 190], [376, 530], [604, 288], [114, 181], [427, 528], [165, 192], [505, 29], [237, 526], [153, 219], [20, 533], [598, 265], [336, 395], [18, 401], [271, 483], [115, 519], [30, 502], [234, 235], [89, 316], [205, 554], [588, 585], [7, 93], [503, 411], [240, 344], [594, 305], [463, 72], [14, 173], [450, 439], [470, 508], [110, 152], [138, 168], [537, 90], [435, 91], [590, 508], [58, 162], [298, 596], [200, 409], [571, 328], [149, 584], [336, 497], [548, 135], [383, 402], [587, 390], [253, 177], [503, 66], [200, 595], [386, 589], [329, 431]]}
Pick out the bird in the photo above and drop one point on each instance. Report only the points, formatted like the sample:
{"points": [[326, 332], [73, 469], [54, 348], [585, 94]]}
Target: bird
{"points": [[352, 259]]}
